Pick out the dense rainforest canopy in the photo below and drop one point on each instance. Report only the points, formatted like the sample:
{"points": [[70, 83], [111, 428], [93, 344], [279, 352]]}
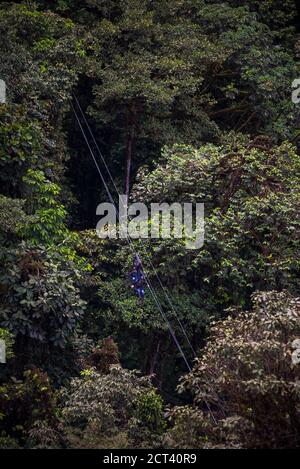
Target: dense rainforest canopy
{"points": [[188, 101]]}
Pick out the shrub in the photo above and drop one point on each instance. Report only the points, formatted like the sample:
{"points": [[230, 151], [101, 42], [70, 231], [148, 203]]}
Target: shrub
{"points": [[39, 299], [106, 406], [24, 402], [248, 378]]}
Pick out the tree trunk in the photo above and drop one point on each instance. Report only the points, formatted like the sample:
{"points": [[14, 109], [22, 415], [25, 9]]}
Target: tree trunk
{"points": [[131, 126], [154, 358], [129, 160]]}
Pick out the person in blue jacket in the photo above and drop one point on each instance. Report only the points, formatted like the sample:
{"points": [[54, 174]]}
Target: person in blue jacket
{"points": [[138, 279]]}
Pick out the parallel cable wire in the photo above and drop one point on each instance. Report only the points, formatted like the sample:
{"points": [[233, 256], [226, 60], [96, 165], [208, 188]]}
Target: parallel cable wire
{"points": [[156, 300], [148, 282], [172, 333], [164, 289]]}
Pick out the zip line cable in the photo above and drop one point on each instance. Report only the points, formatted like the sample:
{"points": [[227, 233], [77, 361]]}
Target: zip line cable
{"points": [[132, 248], [151, 289], [164, 289]]}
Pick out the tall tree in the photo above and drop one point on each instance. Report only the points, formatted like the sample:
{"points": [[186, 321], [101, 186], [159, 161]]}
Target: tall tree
{"points": [[149, 67]]}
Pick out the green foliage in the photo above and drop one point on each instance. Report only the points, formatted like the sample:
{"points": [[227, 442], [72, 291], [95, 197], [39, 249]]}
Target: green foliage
{"points": [[103, 406], [32, 134], [150, 412], [12, 218], [140, 331], [9, 340], [23, 403], [47, 224], [44, 45], [104, 398], [248, 78], [251, 225], [190, 428], [6, 442], [247, 376], [39, 298], [209, 81], [19, 145], [160, 80], [251, 196], [277, 15]]}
